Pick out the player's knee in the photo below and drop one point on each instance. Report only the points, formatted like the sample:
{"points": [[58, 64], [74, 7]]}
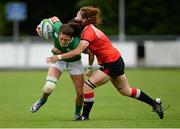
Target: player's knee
{"points": [[88, 86], [86, 89], [50, 85], [80, 96]]}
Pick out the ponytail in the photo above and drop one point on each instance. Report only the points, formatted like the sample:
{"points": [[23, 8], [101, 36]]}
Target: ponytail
{"points": [[91, 14]]}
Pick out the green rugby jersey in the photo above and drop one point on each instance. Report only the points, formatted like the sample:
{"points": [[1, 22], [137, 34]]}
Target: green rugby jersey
{"points": [[74, 43]]}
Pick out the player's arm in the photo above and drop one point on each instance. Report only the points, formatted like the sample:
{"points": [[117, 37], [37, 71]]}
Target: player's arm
{"points": [[56, 51], [39, 30], [81, 47], [89, 70], [39, 27]]}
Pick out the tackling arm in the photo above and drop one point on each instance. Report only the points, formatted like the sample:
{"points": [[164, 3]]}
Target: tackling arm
{"points": [[81, 47]]}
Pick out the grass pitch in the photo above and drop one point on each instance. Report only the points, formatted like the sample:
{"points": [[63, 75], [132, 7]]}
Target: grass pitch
{"points": [[20, 89]]}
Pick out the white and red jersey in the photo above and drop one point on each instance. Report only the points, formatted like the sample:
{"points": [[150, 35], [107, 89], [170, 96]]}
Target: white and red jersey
{"points": [[100, 45]]}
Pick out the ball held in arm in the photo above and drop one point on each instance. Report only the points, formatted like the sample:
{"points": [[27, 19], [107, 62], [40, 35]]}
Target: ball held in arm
{"points": [[47, 29]]}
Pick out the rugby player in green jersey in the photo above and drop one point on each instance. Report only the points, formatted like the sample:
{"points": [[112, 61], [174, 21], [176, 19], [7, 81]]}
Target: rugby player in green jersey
{"points": [[64, 41]]}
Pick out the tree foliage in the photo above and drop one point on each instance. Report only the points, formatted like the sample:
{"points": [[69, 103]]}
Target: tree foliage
{"points": [[152, 17], [109, 16]]}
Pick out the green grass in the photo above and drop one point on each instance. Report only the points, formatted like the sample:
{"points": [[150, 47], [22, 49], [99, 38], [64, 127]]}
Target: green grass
{"points": [[19, 89]]}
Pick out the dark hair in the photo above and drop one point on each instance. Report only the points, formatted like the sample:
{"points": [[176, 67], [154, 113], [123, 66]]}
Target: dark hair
{"points": [[77, 26], [67, 30], [91, 14]]}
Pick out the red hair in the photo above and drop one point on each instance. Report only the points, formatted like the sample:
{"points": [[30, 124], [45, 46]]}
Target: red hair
{"points": [[91, 14]]}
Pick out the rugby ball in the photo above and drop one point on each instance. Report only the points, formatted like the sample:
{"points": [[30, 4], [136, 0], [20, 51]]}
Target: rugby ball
{"points": [[47, 29]]}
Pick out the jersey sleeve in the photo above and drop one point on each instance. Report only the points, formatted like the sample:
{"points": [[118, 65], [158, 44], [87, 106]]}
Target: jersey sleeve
{"points": [[56, 26], [88, 34]]}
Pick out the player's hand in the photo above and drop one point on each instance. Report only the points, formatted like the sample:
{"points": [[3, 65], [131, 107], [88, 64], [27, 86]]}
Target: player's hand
{"points": [[57, 51], [39, 30], [54, 19], [89, 72], [52, 59]]}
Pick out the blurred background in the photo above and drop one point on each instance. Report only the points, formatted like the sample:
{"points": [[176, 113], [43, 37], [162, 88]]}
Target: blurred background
{"points": [[146, 32]]}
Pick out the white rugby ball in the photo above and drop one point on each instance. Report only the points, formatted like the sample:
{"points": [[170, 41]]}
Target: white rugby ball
{"points": [[47, 29]]}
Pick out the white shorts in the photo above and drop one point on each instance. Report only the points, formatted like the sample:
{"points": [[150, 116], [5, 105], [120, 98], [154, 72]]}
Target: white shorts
{"points": [[74, 68]]}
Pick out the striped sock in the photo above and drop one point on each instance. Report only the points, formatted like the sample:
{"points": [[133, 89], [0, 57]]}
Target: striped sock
{"points": [[135, 93], [138, 94], [88, 103]]}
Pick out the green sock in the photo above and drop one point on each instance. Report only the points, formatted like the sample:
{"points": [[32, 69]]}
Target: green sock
{"points": [[78, 109]]}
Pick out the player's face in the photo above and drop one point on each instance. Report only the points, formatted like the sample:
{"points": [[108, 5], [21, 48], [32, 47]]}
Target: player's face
{"points": [[64, 40], [79, 17]]}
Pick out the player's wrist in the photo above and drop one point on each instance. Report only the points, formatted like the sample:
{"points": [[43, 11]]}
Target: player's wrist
{"points": [[59, 57]]}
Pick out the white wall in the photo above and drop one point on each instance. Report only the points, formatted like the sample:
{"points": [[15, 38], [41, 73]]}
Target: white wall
{"points": [[38, 54], [162, 54], [27, 55], [128, 51], [12, 55], [24, 55]]}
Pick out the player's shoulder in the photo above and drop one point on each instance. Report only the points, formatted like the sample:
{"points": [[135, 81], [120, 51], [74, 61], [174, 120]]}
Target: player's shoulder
{"points": [[88, 27], [56, 26], [76, 40]]}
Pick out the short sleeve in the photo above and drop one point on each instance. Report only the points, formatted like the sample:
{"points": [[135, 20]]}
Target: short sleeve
{"points": [[88, 34]]}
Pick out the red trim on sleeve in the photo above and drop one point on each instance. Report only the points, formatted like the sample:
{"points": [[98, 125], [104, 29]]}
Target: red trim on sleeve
{"points": [[86, 40]]}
